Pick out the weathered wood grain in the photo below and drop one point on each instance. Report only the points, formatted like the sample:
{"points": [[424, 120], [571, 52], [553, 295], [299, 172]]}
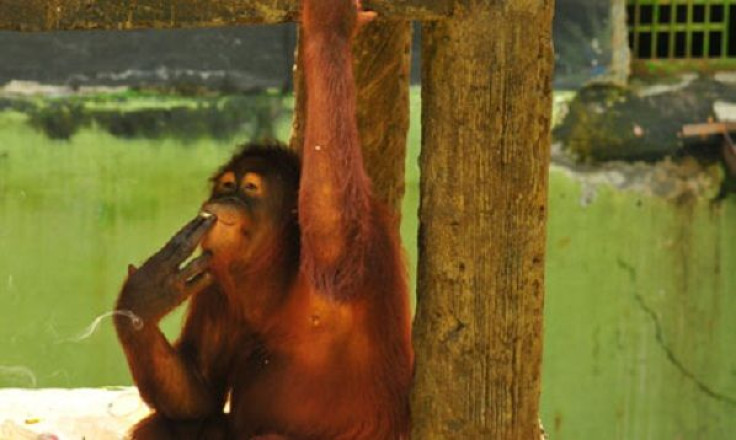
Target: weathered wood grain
{"points": [[382, 56], [486, 111], [57, 15], [382, 62]]}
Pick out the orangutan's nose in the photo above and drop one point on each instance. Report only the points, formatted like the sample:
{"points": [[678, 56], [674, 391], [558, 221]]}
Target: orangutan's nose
{"points": [[226, 213]]}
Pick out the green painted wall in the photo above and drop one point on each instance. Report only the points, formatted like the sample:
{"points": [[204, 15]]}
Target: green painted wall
{"points": [[640, 334]]}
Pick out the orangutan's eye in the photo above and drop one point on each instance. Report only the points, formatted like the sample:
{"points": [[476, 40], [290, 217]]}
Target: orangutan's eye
{"points": [[252, 184], [226, 182]]}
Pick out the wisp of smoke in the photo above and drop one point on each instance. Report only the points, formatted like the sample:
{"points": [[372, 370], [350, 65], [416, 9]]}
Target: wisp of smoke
{"points": [[92, 328], [20, 372]]}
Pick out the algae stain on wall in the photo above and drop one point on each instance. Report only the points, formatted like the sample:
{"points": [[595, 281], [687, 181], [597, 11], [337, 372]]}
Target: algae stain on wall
{"points": [[639, 340]]}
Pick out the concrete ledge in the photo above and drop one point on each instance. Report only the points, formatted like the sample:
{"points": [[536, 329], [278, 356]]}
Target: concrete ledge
{"points": [[61, 414]]}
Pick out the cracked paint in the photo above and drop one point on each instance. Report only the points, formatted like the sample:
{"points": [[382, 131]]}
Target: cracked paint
{"points": [[647, 354], [668, 351]]}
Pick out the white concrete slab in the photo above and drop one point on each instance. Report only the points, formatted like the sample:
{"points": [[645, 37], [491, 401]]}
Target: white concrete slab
{"points": [[66, 414]]}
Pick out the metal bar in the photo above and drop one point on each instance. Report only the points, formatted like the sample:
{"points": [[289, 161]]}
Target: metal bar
{"points": [[726, 28], [635, 29], [695, 27], [707, 32], [671, 24], [655, 2], [655, 34], [689, 34]]}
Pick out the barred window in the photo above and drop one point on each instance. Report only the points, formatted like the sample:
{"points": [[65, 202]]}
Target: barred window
{"points": [[671, 30]]}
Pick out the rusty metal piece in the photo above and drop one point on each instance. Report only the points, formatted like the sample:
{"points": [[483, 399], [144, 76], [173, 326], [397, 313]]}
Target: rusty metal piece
{"points": [[708, 129], [716, 128]]}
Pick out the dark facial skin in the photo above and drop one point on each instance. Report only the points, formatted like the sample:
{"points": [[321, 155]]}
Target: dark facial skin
{"points": [[253, 204]]}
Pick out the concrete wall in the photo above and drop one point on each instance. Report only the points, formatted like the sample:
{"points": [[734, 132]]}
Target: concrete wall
{"points": [[233, 59], [640, 335]]}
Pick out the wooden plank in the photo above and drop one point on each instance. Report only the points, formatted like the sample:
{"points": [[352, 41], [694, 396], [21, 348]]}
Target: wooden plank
{"points": [[486, 111], [57, 15]]}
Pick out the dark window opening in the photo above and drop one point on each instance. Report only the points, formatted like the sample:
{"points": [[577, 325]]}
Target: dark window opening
{"points": [[716, 44], [630, 15], [698, 13], [663, 45], [645, 45], [681, 14], [731, 34], [681, 45], [697, 45], [716, 13], [646, 14], [665, 14]]}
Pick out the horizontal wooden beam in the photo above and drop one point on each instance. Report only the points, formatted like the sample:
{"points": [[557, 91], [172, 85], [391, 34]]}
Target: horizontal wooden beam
{"points": [[67, 15]]}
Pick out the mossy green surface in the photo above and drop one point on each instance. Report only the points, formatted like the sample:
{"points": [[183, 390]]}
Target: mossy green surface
{"points": [[643, 121]]}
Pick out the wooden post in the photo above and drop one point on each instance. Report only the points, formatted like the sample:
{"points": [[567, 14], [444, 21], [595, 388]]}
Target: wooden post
{"points": [[382, 63], [486, 114]]}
